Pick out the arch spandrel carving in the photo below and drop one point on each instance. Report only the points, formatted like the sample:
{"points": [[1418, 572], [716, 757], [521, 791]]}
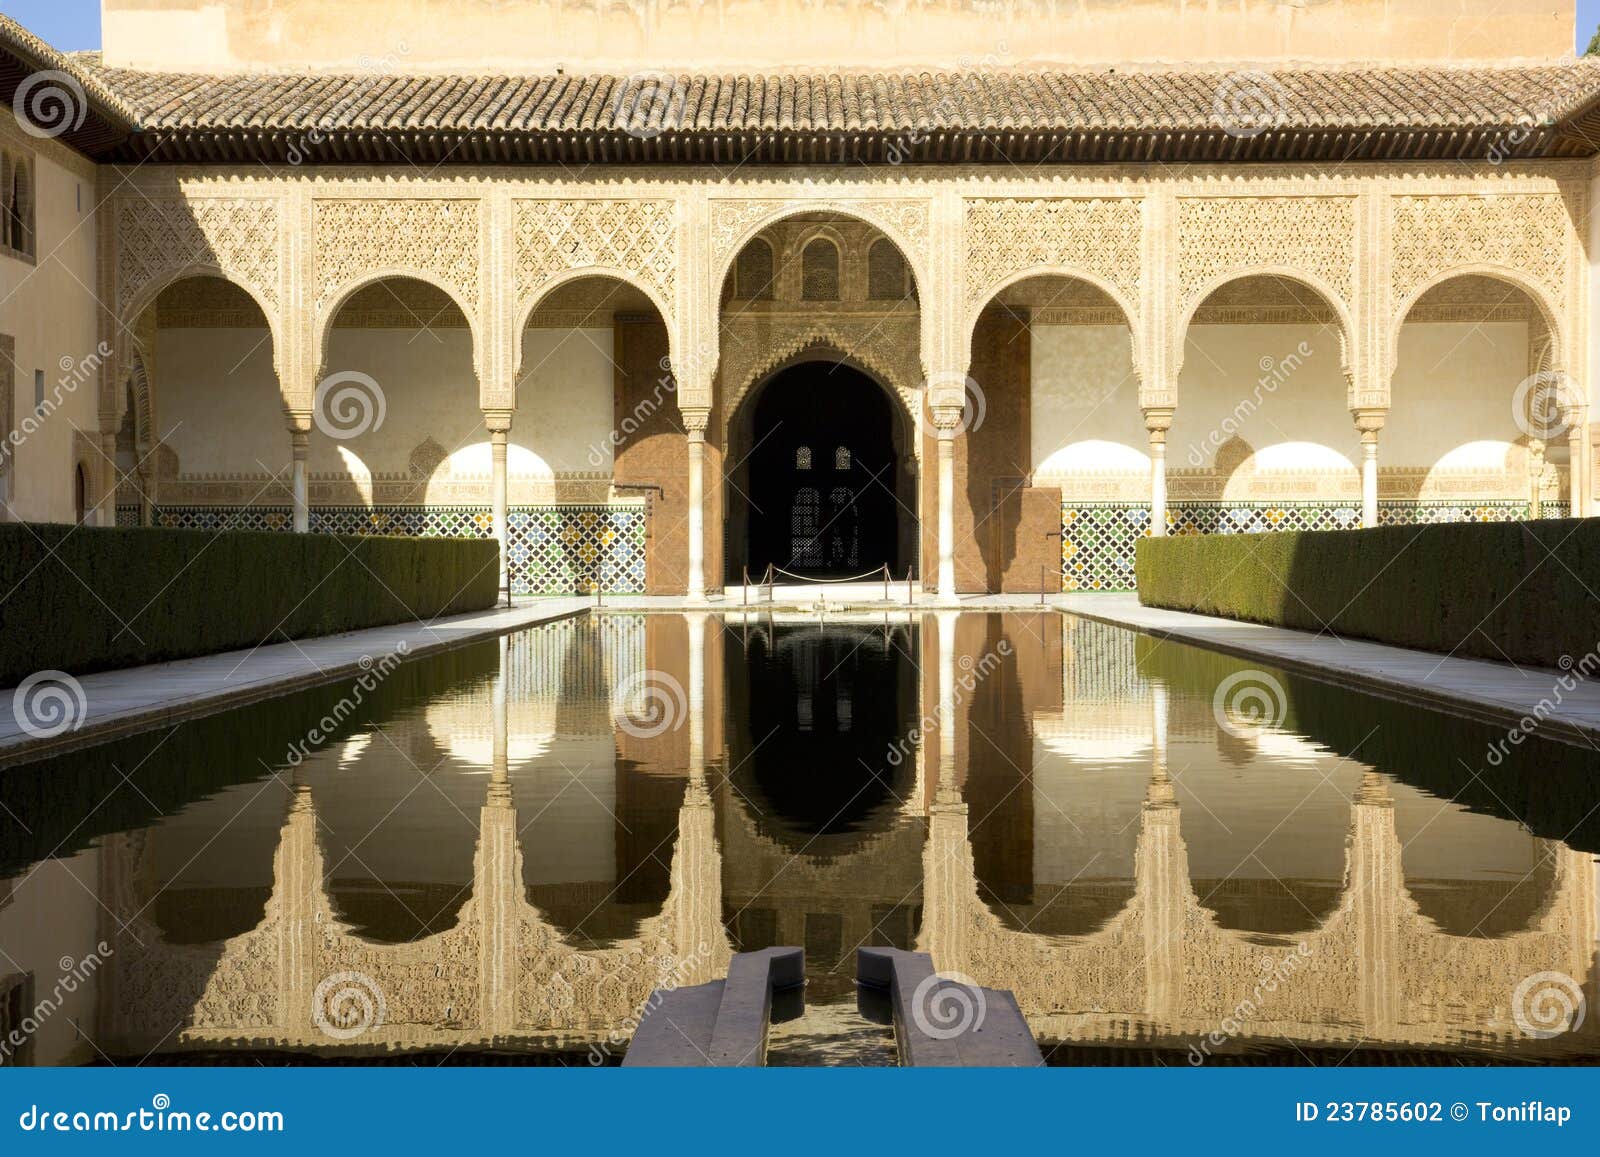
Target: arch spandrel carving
{"points": [[158, 239], [1098, 236], [436, 239], [1219, 237], [554, 237], [1524, 239]]}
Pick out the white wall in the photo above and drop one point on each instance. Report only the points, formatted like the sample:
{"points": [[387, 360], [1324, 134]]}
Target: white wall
{"points": [[1453, 386], [1085, 406], [565, 401], [217, 404], [47, 307]]}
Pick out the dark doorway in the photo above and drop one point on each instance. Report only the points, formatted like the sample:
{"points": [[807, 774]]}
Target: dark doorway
{"points": [[823, 476]]}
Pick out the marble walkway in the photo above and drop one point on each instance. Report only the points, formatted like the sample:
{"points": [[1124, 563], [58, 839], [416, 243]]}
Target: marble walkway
{"points": [[1498, 693]]}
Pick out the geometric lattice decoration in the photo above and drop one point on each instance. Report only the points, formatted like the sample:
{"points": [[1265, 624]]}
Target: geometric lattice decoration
{"points": [[438, 237], [566, 549], [158, 236], [1098, 539], [1529, 232], [1426, 513], [1097, 544], [1223, 235], [578, 549], [551, 237], [127, 515], [225, 517], [1006, 235], [1260, 517]]}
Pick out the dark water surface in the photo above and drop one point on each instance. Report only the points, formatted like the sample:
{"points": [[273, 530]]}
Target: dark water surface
{"points": [[1170, 856]]}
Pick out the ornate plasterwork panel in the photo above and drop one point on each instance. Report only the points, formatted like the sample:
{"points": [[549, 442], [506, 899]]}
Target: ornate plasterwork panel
{"points": [[158, 237], [1528, 232], [1218, 236], [904, 220], [1006, 235], [553, 237], [436, 237]]}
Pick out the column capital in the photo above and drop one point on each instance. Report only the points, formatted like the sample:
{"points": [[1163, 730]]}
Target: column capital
{"points": [[1369, 420], [1158, 420], [497, 421], [299, 421], [696, 419], [947, 420]]}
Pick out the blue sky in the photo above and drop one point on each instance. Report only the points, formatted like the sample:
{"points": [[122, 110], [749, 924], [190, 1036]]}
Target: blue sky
{"points": [[73, 24]]}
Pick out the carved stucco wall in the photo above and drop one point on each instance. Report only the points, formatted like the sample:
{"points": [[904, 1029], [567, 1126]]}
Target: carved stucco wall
{"points": [[1369, 243]]}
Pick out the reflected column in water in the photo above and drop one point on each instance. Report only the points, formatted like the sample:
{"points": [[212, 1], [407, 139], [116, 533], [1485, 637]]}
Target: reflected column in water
{"points": [[497, 893]]}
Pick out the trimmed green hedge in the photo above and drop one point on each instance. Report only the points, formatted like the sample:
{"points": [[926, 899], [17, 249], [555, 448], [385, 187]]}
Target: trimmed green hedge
{"points": [[81, 599], [1517, 591]]}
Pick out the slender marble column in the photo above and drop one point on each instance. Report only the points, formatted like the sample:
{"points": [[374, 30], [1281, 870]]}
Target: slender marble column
{"points": [[1157, 421], [498, 423], [1369, 422], [695, 422]]}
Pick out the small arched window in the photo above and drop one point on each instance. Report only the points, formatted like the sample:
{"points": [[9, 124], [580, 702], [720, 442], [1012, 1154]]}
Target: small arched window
{"points": [[21, 207], [819, 271], [80, 493], [7, 165], [888, 277], [841, 458], [802, 458], [752, 272]]}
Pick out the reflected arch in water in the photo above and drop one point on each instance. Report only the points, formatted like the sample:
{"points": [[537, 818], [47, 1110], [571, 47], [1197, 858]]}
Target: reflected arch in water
{"points": [[819, 725], [397, 826], [1472, 874]]}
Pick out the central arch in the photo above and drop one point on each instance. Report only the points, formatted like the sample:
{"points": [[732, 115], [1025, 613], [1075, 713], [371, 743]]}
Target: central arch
{"points": [[823, 481]]}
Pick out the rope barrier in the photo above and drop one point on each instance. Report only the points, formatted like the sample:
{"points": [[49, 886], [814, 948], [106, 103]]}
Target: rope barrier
{"points": [[872, 574]]}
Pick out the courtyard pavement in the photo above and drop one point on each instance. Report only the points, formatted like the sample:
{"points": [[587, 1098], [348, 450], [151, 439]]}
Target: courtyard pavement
{"points": [[1499, 693], [117, 703]]}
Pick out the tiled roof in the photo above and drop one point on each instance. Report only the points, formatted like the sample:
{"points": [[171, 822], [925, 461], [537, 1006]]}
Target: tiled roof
{"points": [[1020, 115]]}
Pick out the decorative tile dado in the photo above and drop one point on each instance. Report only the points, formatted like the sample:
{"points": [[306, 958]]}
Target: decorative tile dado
{"points": [[567, 549], [1098, 235], [439, 238], [1219, 236], [1098, 540], [552, 237], [158, 237]]}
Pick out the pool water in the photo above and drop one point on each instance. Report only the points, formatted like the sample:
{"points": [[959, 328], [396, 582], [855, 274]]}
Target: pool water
{"points": [[497, 854]]}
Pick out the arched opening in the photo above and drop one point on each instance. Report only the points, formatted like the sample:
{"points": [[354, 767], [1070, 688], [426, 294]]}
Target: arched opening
{"points": [[819, 487], [399, 445], [1055, 455], [1263, 438], [596, 424], [1479, 418], [219, 442]]}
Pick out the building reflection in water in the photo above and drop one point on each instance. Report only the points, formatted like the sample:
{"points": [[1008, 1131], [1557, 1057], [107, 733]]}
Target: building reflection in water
{"points": [[516, 859]]}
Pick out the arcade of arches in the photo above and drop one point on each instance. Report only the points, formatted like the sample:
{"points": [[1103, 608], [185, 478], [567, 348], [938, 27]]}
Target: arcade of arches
{"points": [[646, 442]]}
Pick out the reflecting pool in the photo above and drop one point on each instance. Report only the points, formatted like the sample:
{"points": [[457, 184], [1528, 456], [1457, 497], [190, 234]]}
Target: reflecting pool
{"points": [[497, 854]]}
